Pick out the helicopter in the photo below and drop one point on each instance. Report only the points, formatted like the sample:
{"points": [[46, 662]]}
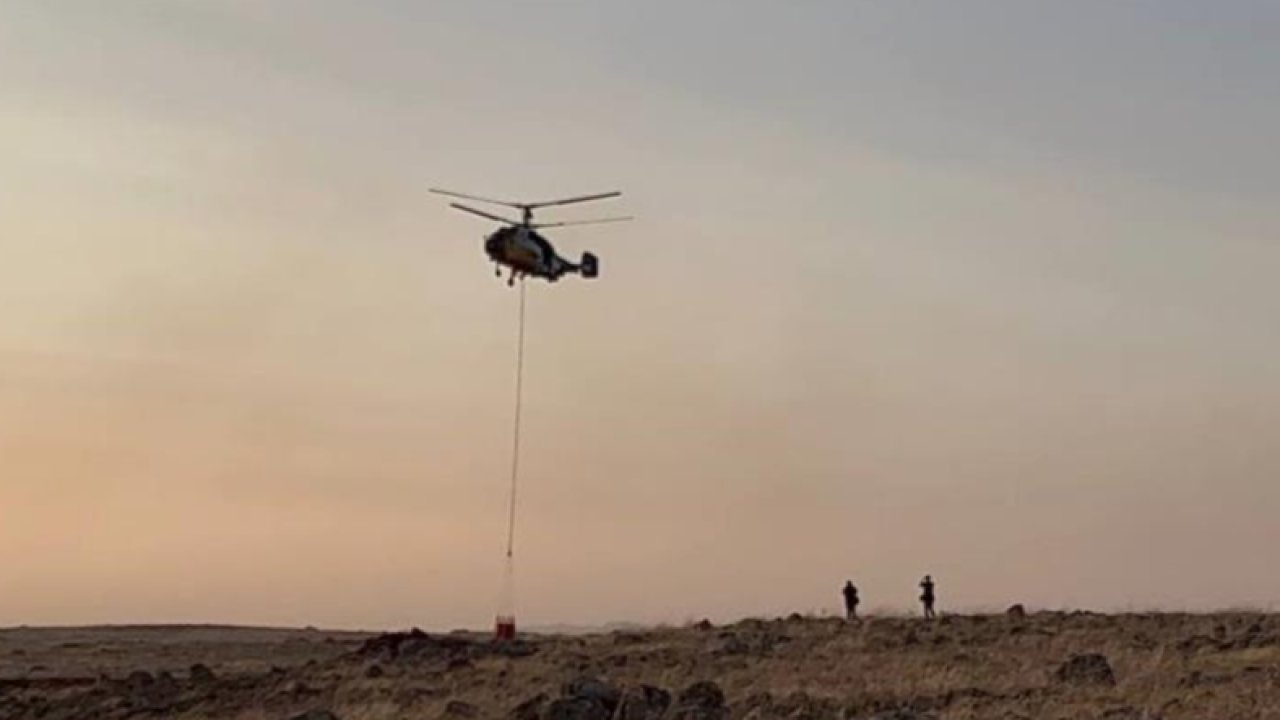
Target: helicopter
{"points": [[521, 248]]}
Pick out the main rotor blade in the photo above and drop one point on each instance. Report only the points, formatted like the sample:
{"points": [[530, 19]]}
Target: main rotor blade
{"points": [[474, 197], [570, 201], [482, 213], [567, 223]]}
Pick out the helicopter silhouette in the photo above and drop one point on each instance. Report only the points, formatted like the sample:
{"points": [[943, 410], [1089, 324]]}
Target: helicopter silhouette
{"points": [[521, 248]]}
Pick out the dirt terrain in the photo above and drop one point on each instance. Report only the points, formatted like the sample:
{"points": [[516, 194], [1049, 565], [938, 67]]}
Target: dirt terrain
{"points": [[1042, 665]]}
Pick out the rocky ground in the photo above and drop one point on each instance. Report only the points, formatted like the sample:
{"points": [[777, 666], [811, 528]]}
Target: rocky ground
{"points": [[1043, 665]]}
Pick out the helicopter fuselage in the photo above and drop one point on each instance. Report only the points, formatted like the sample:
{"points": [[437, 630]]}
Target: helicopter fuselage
{"points": [[526, 252]]}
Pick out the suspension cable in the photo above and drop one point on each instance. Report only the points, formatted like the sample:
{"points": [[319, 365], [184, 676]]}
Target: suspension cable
{"points": [[515, 430]]}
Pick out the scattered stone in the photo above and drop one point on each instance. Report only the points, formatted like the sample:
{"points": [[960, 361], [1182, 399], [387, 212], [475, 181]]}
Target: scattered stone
{"points": [[700, 701], [1142, 641], [374, 671], [799, 705], [316, 715], [595, 689], [757, 705], [530, 709], [643, 703], [416, 645], [165, 684], [515, 648], [1091, 669], [1197, 643], [901, 714], [748, 642], [573, 708], [731, 644], [459, 709], [147, 692], [297, 688]]}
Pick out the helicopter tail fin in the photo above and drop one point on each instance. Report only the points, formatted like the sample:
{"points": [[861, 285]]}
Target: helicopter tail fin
{"points": [[590, 266]]}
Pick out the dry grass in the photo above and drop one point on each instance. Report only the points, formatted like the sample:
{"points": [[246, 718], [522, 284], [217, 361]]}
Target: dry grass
{"points": [[1165, 666]]}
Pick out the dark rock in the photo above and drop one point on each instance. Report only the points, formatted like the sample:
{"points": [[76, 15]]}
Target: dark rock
{"points": [[1142, 641], [573, 708], [901, 714], [165, 684], [530, 709], [1016, 611], [200, 674], [703, 625], [731, 644], [700, 701], [374, 671], [459, 709], [144, 691], [643, 703], [139, 680], [1092, 669], [590, 688]]}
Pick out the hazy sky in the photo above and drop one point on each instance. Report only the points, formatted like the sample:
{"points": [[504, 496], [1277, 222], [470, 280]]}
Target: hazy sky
{"points": [[981, 289]]}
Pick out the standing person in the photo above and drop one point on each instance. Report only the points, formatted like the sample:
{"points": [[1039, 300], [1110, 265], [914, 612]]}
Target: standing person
{"points": [[927, 597], [850, 600]]}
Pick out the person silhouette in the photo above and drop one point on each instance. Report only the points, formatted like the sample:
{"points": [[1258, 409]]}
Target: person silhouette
{"points": [[927, 597], [850, 600]]}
